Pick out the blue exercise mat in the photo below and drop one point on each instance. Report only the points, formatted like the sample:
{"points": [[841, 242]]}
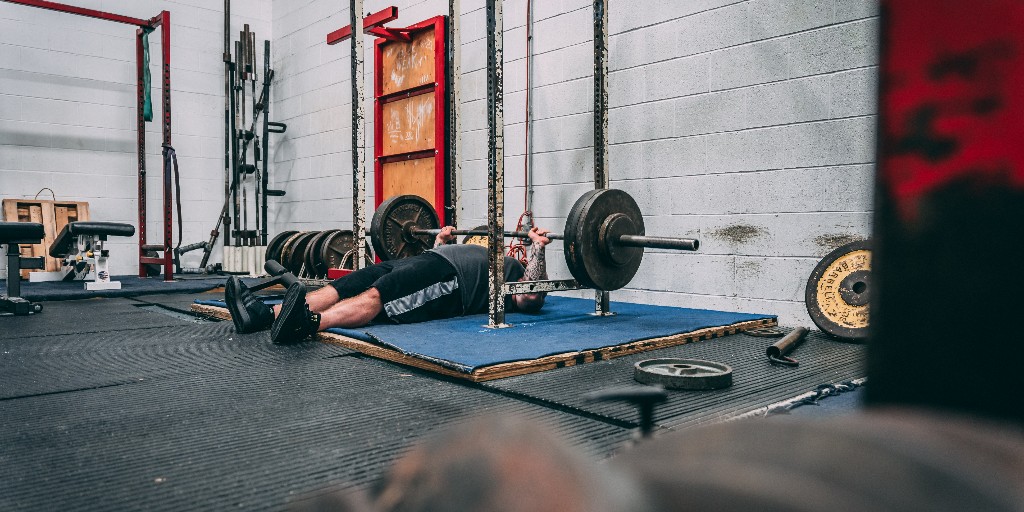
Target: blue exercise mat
{"points": [[564, 325]]}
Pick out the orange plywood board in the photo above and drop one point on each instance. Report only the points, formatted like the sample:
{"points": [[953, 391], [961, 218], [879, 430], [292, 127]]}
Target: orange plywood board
{"points": [[408, 125], [410, 177], [408, 65]]}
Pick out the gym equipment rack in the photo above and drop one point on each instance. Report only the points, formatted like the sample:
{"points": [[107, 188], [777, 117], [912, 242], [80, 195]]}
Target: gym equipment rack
{"points": [[163, 22]]}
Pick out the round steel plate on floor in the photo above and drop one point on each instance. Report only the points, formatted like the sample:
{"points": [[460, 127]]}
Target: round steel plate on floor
{"points": [[683, 373]]}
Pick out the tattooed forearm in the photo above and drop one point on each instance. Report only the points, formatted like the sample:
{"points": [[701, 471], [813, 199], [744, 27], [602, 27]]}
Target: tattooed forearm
{"points": [[536, 268]]}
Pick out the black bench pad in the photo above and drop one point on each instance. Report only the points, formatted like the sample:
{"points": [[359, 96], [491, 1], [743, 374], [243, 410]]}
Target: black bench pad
{"points": [[65, 241], [21, 232]]}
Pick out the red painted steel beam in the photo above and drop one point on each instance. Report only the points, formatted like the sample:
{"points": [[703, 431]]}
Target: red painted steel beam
{"points": [[370, 23], [389, 34], [339, 35], [81, 11]]}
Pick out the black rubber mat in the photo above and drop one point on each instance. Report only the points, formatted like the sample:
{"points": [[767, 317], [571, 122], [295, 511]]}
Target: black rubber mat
{"points": [[130, 286], [756, 383], [181, 301], [249, 437], [83, 317], [57, 364]]}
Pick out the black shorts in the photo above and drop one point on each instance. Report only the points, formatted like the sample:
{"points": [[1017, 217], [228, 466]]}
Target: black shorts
{"points": [[415, 289]]}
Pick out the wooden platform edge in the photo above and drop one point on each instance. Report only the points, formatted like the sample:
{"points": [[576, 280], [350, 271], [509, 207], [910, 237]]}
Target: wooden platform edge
{"points": [[514, 368]]}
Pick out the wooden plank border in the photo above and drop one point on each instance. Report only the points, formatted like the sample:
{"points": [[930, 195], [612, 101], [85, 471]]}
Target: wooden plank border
{"points": [[511, 369]]}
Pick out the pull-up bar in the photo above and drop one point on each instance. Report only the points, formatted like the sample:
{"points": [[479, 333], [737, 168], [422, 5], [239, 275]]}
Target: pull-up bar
{"points": [[163, 21], [81, 11]]}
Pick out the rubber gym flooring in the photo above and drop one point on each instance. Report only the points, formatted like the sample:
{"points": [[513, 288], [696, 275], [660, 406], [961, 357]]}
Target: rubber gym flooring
{"points": [[132, 403]]}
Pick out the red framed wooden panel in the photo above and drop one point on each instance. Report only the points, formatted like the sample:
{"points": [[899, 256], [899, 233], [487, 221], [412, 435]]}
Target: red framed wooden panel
{"points": [[390, 94]]}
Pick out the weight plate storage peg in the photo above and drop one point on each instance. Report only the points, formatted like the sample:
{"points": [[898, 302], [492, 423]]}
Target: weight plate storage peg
{"points": [[592, 249], [838, 291], [392, 226], [693, 374]]}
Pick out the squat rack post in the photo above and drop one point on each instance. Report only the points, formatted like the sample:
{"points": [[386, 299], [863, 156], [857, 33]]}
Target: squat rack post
{"points": [[495, 167], [358, 138], [602, 298], [454, 104]]}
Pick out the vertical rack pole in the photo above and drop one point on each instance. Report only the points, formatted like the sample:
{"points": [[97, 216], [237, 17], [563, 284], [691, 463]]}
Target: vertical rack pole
{"points": [[266, 139], [602, 298], [495, 166], [227, 117], [237, 69], [454, 121], [165, 47], [141, 148], [358, 137]]}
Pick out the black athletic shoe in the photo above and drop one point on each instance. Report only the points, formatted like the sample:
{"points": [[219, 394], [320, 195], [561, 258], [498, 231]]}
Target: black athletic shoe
{"points": [[248, 312], [295, 323]]}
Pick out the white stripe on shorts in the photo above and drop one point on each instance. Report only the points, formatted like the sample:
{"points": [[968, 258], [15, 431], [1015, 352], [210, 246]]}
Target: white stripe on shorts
{"points": [[416, 299]]}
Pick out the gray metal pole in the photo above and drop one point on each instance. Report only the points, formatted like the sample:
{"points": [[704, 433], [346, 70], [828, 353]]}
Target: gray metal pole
{"points": [[358, 136], [454, 104], [495, 166], [602, 299]]}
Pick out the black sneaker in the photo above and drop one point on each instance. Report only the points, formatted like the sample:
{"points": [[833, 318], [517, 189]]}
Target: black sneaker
{"points": [[248, 312], [296, 322]]}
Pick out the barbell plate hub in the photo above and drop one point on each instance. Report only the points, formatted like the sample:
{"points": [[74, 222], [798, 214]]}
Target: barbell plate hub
{"points": [[692, 374]]}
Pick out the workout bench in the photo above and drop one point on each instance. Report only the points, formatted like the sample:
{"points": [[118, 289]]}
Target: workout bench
{"points": [[12, 234], [81, 246]]}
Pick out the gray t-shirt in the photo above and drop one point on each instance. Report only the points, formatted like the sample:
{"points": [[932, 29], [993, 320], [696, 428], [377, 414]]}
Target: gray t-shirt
{"points": [[470, 261]]}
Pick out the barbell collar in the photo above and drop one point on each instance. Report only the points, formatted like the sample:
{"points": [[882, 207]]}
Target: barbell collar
{"points": [[659, 242]]}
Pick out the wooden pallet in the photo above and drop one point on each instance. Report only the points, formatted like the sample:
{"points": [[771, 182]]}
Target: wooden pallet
{"points": [[53, 215], [513, 368]]}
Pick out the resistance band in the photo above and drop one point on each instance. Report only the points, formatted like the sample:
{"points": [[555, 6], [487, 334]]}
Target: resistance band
{"points": [[147, 102]]}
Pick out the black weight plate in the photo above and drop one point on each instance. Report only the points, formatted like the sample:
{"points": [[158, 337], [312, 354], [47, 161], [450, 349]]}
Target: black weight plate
{"points": [[588, 256], [683, 373], [312, 256], [334, 248], [389, 227], [315, 265], [337, 251], [838, 290], [274, 247], [296, 251], [286, 248]]}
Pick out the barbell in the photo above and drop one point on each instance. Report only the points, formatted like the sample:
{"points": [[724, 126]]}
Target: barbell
{"points": [[603, 239]]}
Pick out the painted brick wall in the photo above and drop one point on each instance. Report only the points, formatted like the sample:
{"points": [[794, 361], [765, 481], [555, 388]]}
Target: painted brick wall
{"points": [[746, 124], [67, 110]]}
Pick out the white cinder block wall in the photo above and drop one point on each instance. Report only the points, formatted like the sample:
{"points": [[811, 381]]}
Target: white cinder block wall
{"points": [[746, 124], [67, 110]]}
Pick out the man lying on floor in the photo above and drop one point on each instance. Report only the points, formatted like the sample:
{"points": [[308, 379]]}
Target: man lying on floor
{"points": [[447, 281]]}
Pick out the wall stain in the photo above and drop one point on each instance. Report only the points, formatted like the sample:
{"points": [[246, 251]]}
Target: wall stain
{"points": [[748, 267], [829, 242], [737, 233]]}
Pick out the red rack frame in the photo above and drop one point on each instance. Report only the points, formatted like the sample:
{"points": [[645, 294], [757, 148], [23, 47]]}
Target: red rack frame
{"points": [[440, 119], [162, 21]]}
